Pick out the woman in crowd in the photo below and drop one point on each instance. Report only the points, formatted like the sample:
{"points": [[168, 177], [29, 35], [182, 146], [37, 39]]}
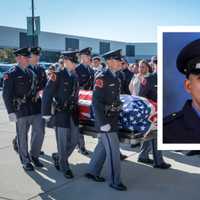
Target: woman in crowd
{"points": [[144, 71]]}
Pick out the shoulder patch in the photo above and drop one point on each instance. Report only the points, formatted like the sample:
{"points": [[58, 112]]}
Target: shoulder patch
{"points": [[170, 118], [99, 83]]}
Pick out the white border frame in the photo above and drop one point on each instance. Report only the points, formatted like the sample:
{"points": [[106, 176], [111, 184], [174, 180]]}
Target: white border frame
{"points": [[160, 31]]}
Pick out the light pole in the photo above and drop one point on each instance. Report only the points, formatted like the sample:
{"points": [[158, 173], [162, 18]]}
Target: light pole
{"points": [[33, 23]]}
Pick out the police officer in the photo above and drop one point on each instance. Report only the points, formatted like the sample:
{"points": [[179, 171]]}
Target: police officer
{"points": [[128, 75], [184, 126], [148, 89], [41, 80], [18, 92], [86, 80], [106, 104], [62, 89]]}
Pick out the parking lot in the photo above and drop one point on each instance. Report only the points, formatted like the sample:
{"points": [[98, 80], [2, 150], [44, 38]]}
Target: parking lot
{"points": [[144, 182]]}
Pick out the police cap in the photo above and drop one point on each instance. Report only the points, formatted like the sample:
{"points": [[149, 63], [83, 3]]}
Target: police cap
{"points": [[70, 55], [86, 51], [116, 55], [188, 60], [23, 52], [36, 50]]}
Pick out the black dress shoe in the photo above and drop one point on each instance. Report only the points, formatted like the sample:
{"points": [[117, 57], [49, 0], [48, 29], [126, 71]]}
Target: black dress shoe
{"points": [[56, 161], [95, 178], [120, 187], [83, 151], [123, 157], [193, 153], [28, 167], [36, 162], [146, 161], [162, 166], [68, 174], [15, 146]]}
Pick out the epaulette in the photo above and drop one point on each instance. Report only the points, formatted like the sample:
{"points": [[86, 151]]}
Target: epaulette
{"points": [[170, 118]]}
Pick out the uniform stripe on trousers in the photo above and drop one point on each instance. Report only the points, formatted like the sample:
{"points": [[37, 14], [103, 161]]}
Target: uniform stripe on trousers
{"points": [[111, 158]]}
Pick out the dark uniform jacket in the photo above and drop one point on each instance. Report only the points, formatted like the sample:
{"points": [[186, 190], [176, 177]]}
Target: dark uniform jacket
{"points": [[148, 88], [61, 90], [128, 76], [85, 76], [41, 80], [18, 87], [120, 74], [106, 94], [183, 126]]}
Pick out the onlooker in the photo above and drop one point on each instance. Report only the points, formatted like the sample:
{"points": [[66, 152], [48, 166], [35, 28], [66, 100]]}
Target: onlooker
{"points": [[143, 72]]}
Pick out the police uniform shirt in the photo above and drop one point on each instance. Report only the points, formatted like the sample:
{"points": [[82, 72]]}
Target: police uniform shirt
{"points": [[17, 84], [183, 126], [41, 76], [106, 92], [63, 88], [128, 76], [41, 80], [85, 76], [121, 76]]}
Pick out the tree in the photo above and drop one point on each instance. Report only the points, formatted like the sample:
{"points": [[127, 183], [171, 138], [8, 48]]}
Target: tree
{"points": [[7, 56]]}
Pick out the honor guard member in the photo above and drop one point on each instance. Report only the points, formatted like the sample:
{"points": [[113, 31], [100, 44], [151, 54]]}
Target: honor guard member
{"points": [[106, 104], [127, 74], [184, 126], [86, 80], [62, 90], [18, 92], [148, 89], [41, 80]]}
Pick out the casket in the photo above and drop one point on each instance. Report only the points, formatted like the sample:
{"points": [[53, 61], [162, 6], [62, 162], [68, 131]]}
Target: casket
{"points": [[137, 118]]}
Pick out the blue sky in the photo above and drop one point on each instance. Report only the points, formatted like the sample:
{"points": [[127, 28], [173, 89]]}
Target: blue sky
{"points": [[122, 20]]}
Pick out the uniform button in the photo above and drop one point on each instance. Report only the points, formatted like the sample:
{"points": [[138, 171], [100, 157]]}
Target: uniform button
{"points": [[174, 114]]}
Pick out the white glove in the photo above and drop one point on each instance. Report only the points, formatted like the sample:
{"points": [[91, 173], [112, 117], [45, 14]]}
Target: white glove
{"points": [[105, 128], [12, 117], [46, 117]]}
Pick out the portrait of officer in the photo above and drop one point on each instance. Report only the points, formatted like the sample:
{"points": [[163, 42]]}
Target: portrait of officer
{"points": [[184, 126], [106, 104], [19, 92], [62, 91]]}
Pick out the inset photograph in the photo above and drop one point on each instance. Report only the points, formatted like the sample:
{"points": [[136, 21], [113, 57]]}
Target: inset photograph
{"points": [[179, 88]]}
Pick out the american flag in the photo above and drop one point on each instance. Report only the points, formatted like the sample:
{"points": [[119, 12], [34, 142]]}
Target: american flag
{"points": [[138, 113]]}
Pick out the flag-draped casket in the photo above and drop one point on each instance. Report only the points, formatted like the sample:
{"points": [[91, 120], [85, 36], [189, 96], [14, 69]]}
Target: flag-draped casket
{"points": [[137, 114]]}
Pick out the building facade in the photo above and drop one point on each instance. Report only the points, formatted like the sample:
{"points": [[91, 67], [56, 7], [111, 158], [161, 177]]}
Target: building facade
{"points": [[53, 43]]}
